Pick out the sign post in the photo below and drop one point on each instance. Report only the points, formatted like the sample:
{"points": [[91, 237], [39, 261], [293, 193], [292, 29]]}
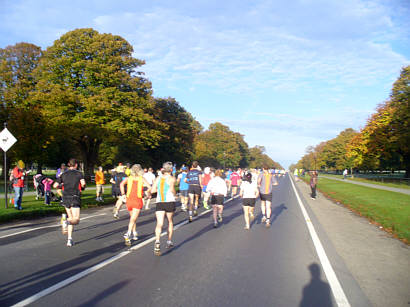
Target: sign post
{"points": [[6, 141]]}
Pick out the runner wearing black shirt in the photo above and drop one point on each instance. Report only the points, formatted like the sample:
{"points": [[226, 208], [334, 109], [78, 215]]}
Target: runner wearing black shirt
{"points": [[193, 178], [72, 181]]}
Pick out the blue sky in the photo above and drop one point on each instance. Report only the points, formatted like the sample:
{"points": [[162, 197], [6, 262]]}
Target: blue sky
{"points": [[286, 74]]}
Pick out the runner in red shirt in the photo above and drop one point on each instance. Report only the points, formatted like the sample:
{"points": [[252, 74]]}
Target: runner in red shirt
{"points": [[235, 182]]}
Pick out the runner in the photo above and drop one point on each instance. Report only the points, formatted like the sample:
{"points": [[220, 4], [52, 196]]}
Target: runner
{"points": [[228, 179], [150, 178], [218, 190], [249, 192], [183, 188], [206, 177], [133, 198], [118, 178], [193, 178], [164, 186], [235, 182], [265, 182], [72, 181]]}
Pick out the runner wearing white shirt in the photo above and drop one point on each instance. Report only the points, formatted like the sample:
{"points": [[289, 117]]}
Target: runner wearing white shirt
{"points": [[218, 190], [150, 178], [249, 192]]}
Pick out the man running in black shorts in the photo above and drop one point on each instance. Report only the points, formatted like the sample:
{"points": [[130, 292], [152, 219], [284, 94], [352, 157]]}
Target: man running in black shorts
{"points": [[193, 178], [72, 182]]}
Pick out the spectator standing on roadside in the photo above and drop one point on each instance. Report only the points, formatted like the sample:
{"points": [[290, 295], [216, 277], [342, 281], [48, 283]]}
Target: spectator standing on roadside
{"points": [[17, 178], [47, 183], [313, 183], [345, 173], [99, 182]]}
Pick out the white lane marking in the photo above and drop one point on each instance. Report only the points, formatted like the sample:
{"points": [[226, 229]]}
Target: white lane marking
{"points": [[98, 266], [338, 293], [43, 227]]}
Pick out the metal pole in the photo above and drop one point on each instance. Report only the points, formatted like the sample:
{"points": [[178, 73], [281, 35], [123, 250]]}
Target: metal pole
{"points": [[5, 174]]}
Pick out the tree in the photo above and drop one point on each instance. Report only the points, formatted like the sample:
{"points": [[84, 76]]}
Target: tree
{"points": [[220, 147], [178, 132], [400, 121], [90, 93], [259, 159], [17, 82]]}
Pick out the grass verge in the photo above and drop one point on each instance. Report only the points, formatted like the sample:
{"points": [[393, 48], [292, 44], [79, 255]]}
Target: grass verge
{"points": [[33, 208], [390, 210], [386, 184]]}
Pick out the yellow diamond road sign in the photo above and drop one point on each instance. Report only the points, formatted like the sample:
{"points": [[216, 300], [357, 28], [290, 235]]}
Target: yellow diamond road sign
{"points": [[6, 139]]}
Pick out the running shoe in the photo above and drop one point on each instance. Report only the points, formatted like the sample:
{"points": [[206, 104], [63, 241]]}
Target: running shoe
{"points": [[215, 224], [70, 242], [267, 223], [170, 244], [190, 218], [246, 227], [195, 212], [263, 219], [220, 218], [116, 216], [157, 249], [206, 205], [127, 240], [135, 236]]}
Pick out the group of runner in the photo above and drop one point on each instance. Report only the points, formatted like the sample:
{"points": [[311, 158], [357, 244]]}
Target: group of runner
{"points": [[135, 187]]}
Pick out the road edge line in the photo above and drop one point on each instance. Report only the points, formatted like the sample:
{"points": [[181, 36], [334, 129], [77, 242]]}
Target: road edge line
{"points": [[337, 290]]}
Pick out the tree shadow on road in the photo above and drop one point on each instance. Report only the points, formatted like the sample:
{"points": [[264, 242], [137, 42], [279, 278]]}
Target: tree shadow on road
{"points": [[317, 292], [20, 288], [105, 293]]}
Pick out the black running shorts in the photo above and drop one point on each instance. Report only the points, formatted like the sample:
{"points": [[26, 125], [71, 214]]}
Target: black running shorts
{"points": [[248, 202], [194, 189], [71, 201], [217, 200], [267, 197], [167, 207]]}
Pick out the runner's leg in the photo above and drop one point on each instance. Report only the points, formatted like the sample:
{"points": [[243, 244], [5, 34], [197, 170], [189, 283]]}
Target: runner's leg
{"points": [[170, 225], [160, 221], [246, 215]]}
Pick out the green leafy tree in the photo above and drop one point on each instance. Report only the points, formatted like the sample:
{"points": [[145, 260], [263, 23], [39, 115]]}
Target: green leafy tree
{"points": [[90, 92], [220, 147], [258, 158], [25, 121], [178, 131]]}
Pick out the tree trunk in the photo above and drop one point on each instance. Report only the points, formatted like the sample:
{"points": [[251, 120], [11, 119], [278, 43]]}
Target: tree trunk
{"points": [[89, 151]]}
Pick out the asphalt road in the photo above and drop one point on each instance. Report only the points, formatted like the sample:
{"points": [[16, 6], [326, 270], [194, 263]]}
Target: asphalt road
{"points": [[227, 266]]}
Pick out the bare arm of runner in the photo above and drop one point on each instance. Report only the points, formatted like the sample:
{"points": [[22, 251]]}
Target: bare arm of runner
{"points": [[172, 185], [122, 186], [154, 186]]}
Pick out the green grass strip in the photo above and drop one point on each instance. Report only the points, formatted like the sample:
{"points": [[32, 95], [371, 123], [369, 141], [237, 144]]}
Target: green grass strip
{"points": [[402, 185], [33, 208], [391, 210]]}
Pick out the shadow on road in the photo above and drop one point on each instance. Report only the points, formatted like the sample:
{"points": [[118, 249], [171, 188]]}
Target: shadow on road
{"points": [[18, 289], [105, 293], [317, 292]]}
